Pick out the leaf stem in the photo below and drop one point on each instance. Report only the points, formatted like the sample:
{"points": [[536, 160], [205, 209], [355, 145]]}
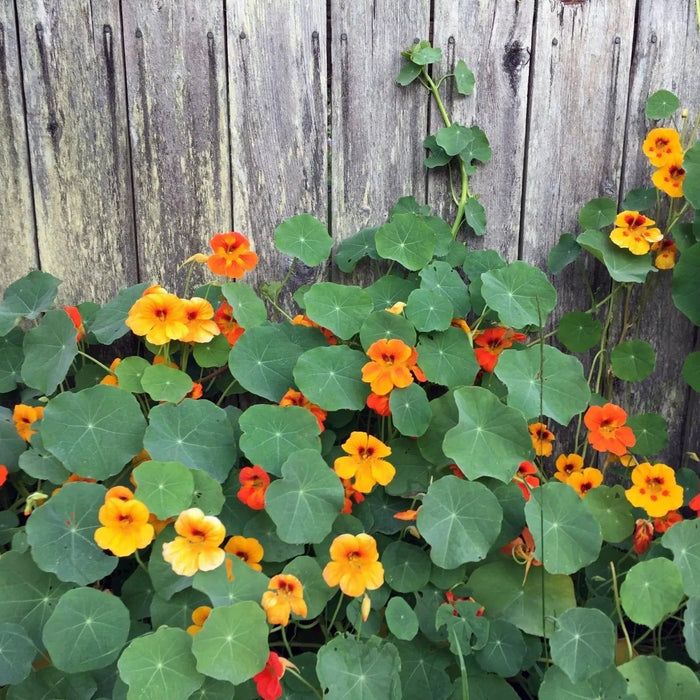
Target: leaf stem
{"points": [[618, 607]]}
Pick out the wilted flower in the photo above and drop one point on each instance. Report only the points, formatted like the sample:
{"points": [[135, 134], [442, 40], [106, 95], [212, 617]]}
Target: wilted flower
{"points": [[24, 417]]}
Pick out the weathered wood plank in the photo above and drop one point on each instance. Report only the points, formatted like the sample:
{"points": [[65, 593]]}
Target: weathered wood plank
{"points": [[76, 116], [278, 94], [378, 127], [17, 231], [176, 83], [500, 61], [665, 57]]}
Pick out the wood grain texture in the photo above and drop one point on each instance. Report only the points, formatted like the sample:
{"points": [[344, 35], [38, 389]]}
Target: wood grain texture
{"points": [[176, 80], [378, 127], [500, 61], [76, 117], [17, 231], [278, 94]]}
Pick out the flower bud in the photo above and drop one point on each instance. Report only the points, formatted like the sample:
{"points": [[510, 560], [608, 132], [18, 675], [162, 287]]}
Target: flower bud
{"points": [[365, 608]]}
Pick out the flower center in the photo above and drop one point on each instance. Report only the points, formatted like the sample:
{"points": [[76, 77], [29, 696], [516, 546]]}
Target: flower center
{"points": [[676, 172], [242, 555], [585, 486], [197, 536], [365, 452], [161, 314]]}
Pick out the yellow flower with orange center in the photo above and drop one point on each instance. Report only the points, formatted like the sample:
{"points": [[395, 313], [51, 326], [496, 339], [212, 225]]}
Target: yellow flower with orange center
{"points": [[247, 549], [542, 439], [632, 231], [125, 526], [199, 616], [585, 480], [654, 488], [666, 252], [669, 178], [354, 565], [566, 465], [232, 255], [365, 462], [24, 417], [160, 317], [390, 366], [197, 548], [201, 327], [285, 595], [661, 146]]}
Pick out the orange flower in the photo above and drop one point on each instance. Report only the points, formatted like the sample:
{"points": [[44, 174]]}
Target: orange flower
{"points": [[195, 392], [695, 504], [397, 308], [296, 398], [160, 317], [77, 319], [199, 616], [354, 565], [632, 232], [111, 379], [247, 549], [198, 317], [524, 479], [585, 480], [661, 146], [3, 474], [665, 522], [491, 343], [232, 255], [254, 482], [669, 178], [389, 367], [197, 548], [154, 289], [607, 431], [285, 595], [542, 439], [666, 252], [350, 495], [643, 535], [227, 323], [522, 549], [461, 324], [654, 488], [408, 515], [379, 404], [566, 465], [120, 492], [159, 525], [365, 462], [24, 417], [301, 320], [160, 360], [267, 682], [126, 527]]}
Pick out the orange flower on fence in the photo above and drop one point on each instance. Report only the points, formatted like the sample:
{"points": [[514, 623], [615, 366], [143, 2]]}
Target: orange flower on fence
{"points": [[585, 480], [226, 321], [661, 146], [159, 317], [198, 546], [254, 482], [632, 231], [232, 256], [666, 253], [379, 404], [24, 417], [285, 595], [566, 465], [247, 549], [77, 319], [489, 344], [642, 536], [542, 439], [654, 488], [201, 327], [607, 431], [125, 526], [296, 398], [365, 462], [390, 366], [524, 478], [199, 616], [669, 178], [354, 565]]}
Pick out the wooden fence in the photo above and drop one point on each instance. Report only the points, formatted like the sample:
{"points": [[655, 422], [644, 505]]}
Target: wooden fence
{"points": [[132, 130]]}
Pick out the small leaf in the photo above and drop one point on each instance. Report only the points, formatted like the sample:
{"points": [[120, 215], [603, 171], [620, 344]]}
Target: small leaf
{"points": [[598, 213], [385, 325], [400, 619], [408, 73], [423, 54], [651, 590], [691, 370], [409, 205], [504, 651], [650, 431], [408, 239], [437, 156], [429, 311], [163, 383], [352, 249], [476, 216], [130, 371], [109, 322], [464, 78], [211, 354], [661, 104], [442, 278], [612, 510], [563, 253], [304, 237], [247, 306], [633, 360], [11, 358], [579, 331], [454, 138], [410, 410], [165, 488], [650, 678], [691, 628], [640, 199], [27, 297], [406, 567], [447, 358]]}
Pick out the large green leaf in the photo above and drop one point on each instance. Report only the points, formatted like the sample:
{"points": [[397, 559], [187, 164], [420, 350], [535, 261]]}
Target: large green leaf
{"points": [[196, 433], [109, 322], [305, 502], [94, 432], [683, 539], [490, 439], [423, 667], [447, 358], [410, 410], [606, 685], [49, 350], [633, 360], [232, 644], [661, 104], [684, 288], [622, 265], [567, 537], [429, 311], [406, 567], [442, 278], [579, 331], [27, 297], [563, 253], [17, 651], [387, 290], [248, 309], [650, 431], [331, 377], [454, 138], [304, 237], [651, 590], [163, 383], [460, 520], [97, 624], [614, 513], [386, 325], [520, 294], [166, 488], [340, 308], [247, 583], [560, 390], [272, 433], [408, 239], [11, 358], [62, 535], [504, 651], [651, 678]]}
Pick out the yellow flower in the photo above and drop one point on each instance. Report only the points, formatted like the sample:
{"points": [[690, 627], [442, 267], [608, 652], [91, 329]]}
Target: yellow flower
{"points": [[199, 616], [632, 232], [126, 526], [247, 549], [24, 417], [669, 178], [585, 480], [197, 548], [160, 317], [542, 439], [199, 315], [666, 252], [285, 595], [354, 565], [567, 465], [662, 145], [390, 365], [365, 462], [654, 488]]}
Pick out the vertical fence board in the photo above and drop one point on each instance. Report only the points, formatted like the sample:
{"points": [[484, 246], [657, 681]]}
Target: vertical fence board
{"points": [[176, 80], [377, 126], [278, 93], [74, 88], [500, 61], [17, 231], [667, 39]]}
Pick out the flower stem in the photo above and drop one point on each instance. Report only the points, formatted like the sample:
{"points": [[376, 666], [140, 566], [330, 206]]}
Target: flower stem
{"points": [[97, 362], [286, 642], [618, 607], [305, 682], [337, 610]]}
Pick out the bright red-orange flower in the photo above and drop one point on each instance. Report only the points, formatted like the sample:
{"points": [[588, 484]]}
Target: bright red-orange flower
{"points": [[351, 494], [695, 504], [24, 417], [125, 526], [365, 462], [669, 178], [491, 343], [77, 319], [232, 256], [665, 522], [285, 595], [524, 478], [661, 146], [199, 616], [267, 682], [226, 321], [354, 565], [607, 431], [254, 482], [296, 398], [3, 474], [390, 366], [642, 536], [654, 488], [201, 327], [542, 439], [198, 546], [379, 404], [159, 317]]}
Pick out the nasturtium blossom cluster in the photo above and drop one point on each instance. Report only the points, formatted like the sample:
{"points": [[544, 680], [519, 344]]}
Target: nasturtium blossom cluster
{"points": [[663, 148]]}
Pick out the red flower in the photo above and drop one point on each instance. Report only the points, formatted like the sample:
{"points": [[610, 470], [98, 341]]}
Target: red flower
{"points": [[379, 404], [667, 521], [3, 474], [607, 429], [456, 471], [523, 477], [77, 319], [643, 535], [491, 343], [267, 682], [227, 323], [695, 503], [232, 255], [254, 482]]}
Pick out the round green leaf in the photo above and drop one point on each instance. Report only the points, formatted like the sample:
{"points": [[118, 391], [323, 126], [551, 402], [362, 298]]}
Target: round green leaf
{"points": [[563, 253], [109, 322], [691, 628], [490, 439], [160, 665], [196, 433], [61, 534], [606, 685], [352, 249], [49, 350], [248, 309], [504, 651], [651, 590], [208, 495], [652, 678], [464, 78], [247, 583], [598, 213], [340, 308], [454, 138], [460, 520], [561, 393], [129, 373], [17, 652], [474, 212], [232, 645], [305, 502], [331, 377], [622, 265], [567, 537], [384, 325], [97, 624], [410, 410], [27, 297], [94, 432], [447, 358], [584, 643], [408, 239], [165, 488], [406, 567], [401, 619], [163, 383], [691, 370], [650, 431], [408, 73], [272, 433], [428, 311], [304, 237], [683, 539], [11, 358], [640, 199], [579, 331], [633, 360], [613, 512], [317, 592], [520, 294], [441, 278], [661, 104], [387, 290], [212, 354]]}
